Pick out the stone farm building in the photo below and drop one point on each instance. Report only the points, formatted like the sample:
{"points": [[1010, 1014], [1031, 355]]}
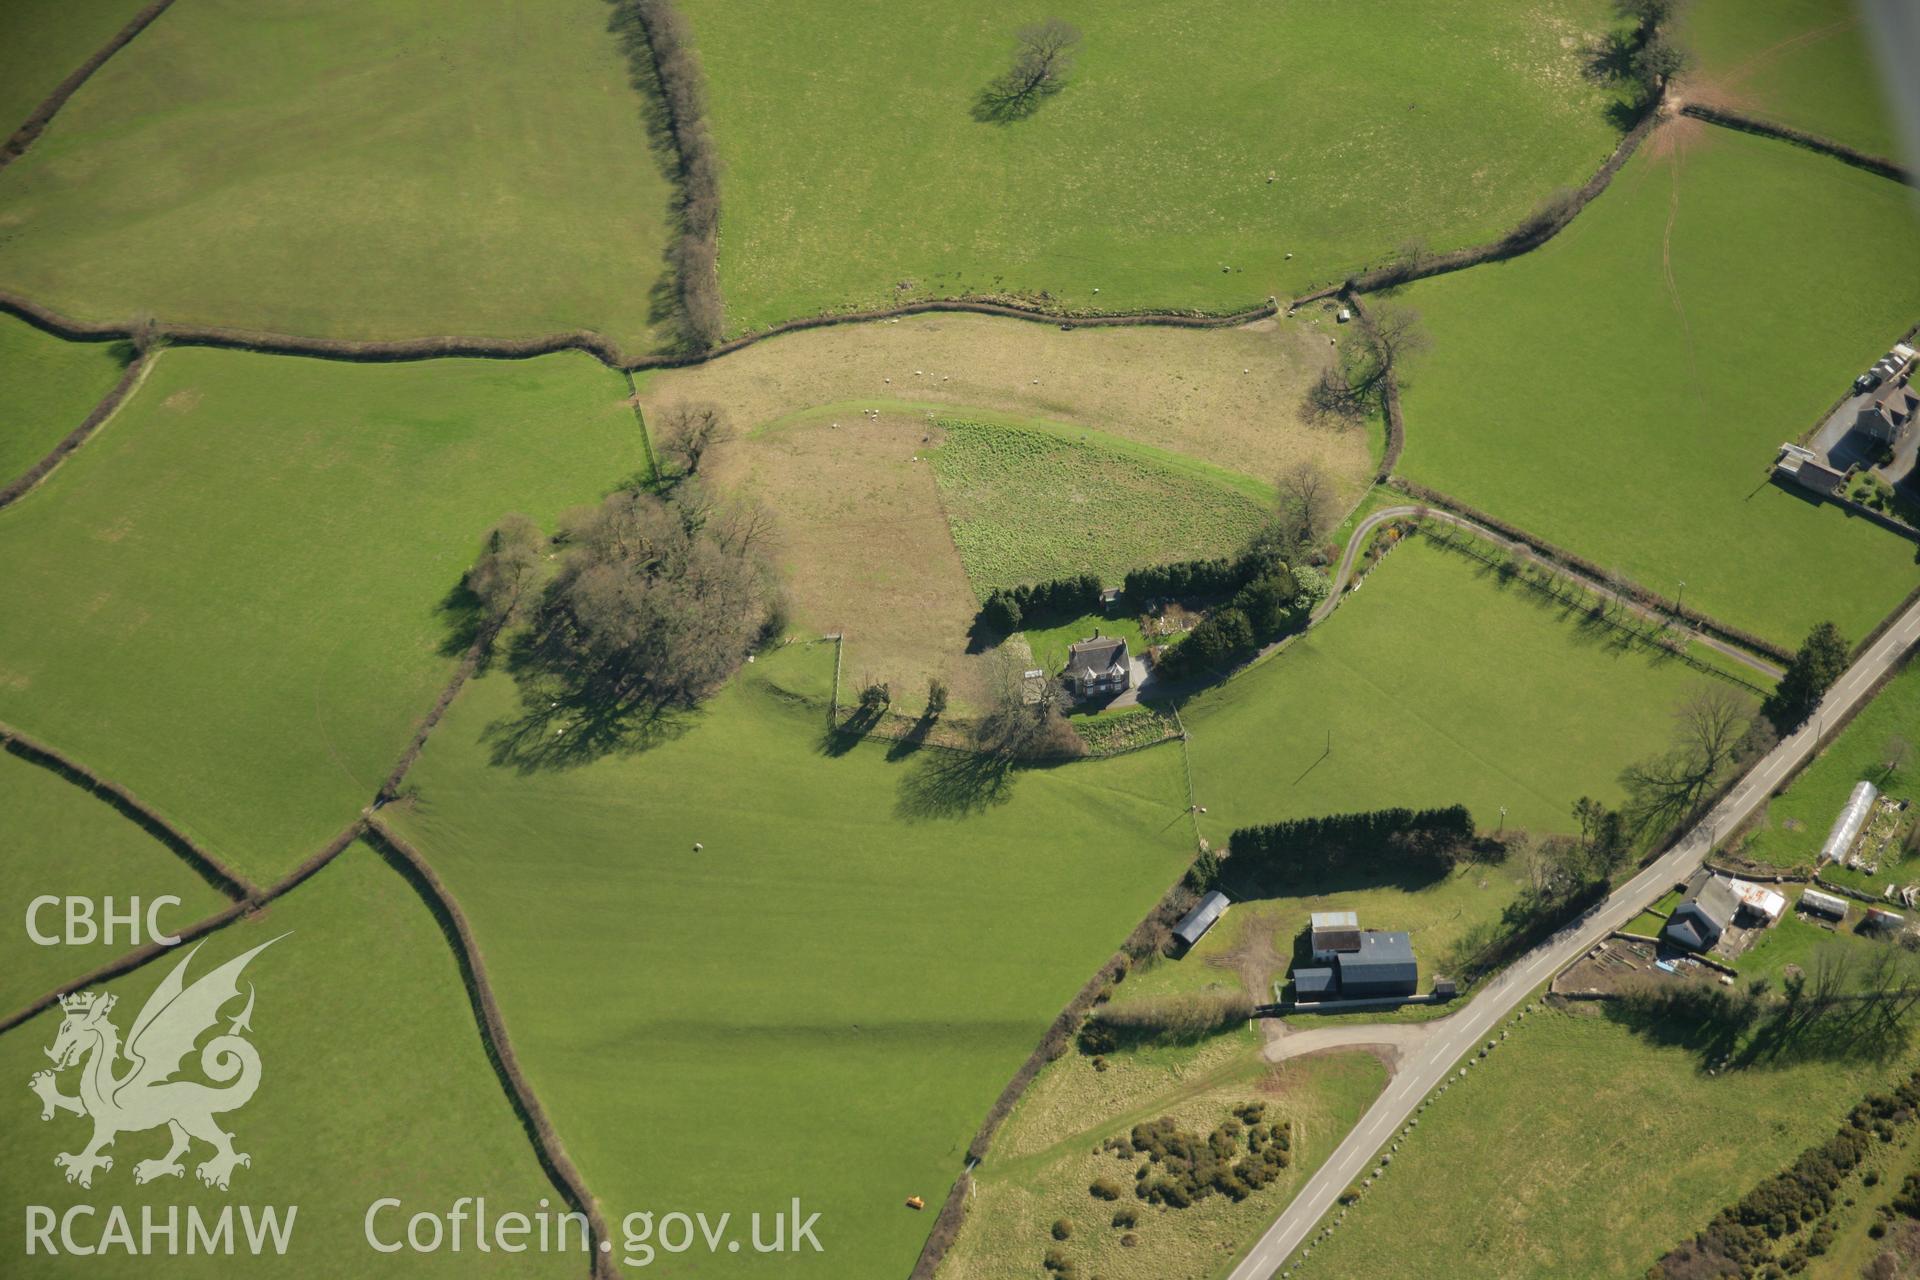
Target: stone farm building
{"points": [[1706, 913], [1098, 668]]}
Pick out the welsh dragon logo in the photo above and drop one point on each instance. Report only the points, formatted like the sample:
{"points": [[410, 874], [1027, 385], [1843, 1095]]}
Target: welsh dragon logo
{"points": [[144, 1095]]}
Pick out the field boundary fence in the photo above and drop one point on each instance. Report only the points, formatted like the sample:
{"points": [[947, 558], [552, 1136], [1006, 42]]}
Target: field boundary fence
{"points": [[552, 1154], [1472, 546], [1591, 571], [43, 114], [27, 481], [1743, 122], [210, 868]]}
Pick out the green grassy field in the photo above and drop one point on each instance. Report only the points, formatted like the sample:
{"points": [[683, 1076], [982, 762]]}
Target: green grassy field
{"points": [[350, 170], [63, 842], [822, 1002], [1588, 1120], [1031, 503], [47, 388], [42, 41], [1622, 391], [374, 1083], [1438, 686], [1202, 158], [1796, 823], [231, 598], [1046, 1157], [1804, 63]]}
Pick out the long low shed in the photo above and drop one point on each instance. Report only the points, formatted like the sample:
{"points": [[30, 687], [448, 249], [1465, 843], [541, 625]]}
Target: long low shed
{"points": [[1846, 827], [1823, 904], [1194, 925]]}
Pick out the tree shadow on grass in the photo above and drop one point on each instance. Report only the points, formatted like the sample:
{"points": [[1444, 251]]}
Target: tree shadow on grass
{"points": [[998, 104], [460, 613], [954, 784], [840, 739], [914, 738], [565, 721], [1757, 1028]]}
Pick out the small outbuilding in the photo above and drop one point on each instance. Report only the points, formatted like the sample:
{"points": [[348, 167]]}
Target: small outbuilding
{"points": [[1703, 915], [1846, 827], [1314, 984], [1193, 926], [1332, 934], [1823, 904], [1881, 918], [1763, 904], [1800, 466]]}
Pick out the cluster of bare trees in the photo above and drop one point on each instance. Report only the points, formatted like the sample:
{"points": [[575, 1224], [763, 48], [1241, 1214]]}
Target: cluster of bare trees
{"points": [[686, 432], [1848, 999], [1356, 382], [1025, 722], [660, 52], [1043, 57], [507, 570], [657, 600]]}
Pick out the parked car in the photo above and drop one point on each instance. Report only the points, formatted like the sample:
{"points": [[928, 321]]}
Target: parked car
{"points": [[1889, 364]]}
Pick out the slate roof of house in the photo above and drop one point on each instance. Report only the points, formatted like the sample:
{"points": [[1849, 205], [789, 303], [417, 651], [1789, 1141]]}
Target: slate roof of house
{"points": [[1098, 655], [1383, 957], [1900, 399], [1312, 982], [1196, 922], [1714, 898]]}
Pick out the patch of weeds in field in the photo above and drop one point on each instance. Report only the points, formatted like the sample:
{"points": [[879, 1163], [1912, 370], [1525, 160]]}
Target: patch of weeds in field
{"points": [[1026, 505]]}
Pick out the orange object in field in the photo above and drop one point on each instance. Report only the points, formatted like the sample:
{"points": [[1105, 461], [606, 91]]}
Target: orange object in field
{"points": [[915, 1202]]}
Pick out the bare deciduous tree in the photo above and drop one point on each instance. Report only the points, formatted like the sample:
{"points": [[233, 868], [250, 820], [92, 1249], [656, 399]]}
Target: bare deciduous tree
{"points": [[1019, 726], [689, 430], [500, 577], [1042, 58], [1711, 722], [1711, 726], [650, 605], [1308, 508], [1355, 383]]}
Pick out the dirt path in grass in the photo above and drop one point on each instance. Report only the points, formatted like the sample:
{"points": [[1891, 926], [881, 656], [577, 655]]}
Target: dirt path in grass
{"points": [[1390, 1039]]}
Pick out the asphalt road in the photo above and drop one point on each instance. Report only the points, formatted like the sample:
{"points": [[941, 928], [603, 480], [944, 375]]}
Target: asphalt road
{"points": [[1424, 1066]]}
